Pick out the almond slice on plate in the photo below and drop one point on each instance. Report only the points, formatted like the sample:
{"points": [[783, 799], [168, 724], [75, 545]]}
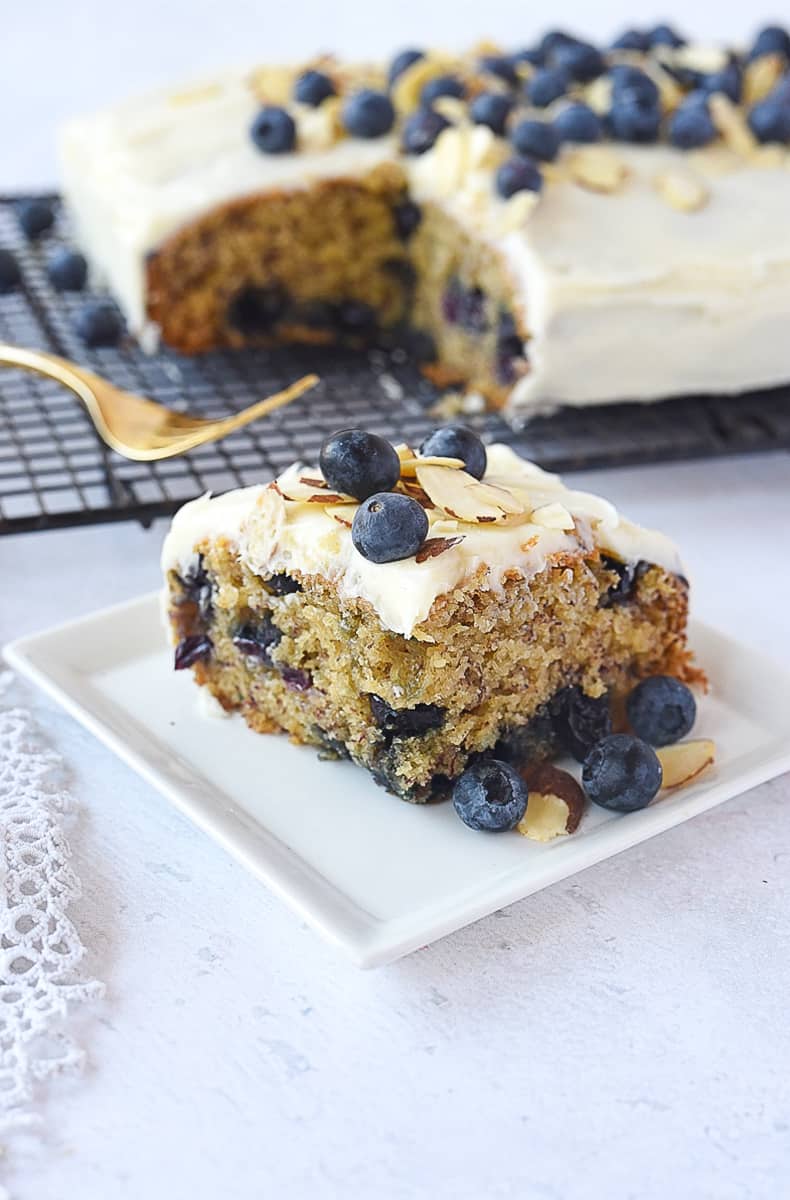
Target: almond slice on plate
{"points": [[685, 761], [555, 806], [462, 496]]}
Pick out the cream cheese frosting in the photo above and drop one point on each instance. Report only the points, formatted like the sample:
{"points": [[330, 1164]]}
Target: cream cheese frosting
{"points": [[273, 535]]}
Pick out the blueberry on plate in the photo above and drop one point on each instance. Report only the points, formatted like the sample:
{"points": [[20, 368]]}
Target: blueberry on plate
{"points": [[579, 720], [769, 120], [313, 88], [401, 62], [661, 710], [368, 114], [9, 271], [388, 527], [665, 35], [771, 40], [621, 773], [691, 125], [578, 123], [632, 39], [67, 271], [490, 796], [98, 323], [456, 441], [421, 130], [35, 217], [358, 463], [631, 119], [273, 131], [518, 174], [536, 139], [582, 61], [443, 85], [491, 109], [191, 650], [546, 85]]}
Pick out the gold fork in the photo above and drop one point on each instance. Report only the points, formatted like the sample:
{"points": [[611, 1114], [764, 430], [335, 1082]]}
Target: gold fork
{"points": [[138, 428]]}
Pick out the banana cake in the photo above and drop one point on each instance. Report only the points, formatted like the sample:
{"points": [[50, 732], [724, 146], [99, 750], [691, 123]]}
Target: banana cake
{"points": [[417, 611]]}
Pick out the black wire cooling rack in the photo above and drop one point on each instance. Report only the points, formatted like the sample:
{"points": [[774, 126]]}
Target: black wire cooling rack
{"points": [[54, 470]]}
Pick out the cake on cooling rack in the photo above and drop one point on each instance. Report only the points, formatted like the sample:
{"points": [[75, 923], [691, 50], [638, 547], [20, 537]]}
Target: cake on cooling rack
{"points": [[546, 223], [414, 610]]}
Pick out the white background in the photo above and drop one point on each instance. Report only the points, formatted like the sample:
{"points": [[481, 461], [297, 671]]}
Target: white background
{"points": [[623, 1035]]}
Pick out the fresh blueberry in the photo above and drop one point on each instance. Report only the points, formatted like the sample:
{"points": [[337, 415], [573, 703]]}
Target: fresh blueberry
{"points": [[356, 319], [191, 650], [582, 61], [771, 40], [401, 62], [769, 120], [500, 65], [388, 527], [313, 87], [359, 464], [491, 109], [490, 796], [35, 217], [67, 271], [273, 131], [407, 216], [579, 720], [691, 125], [256, 310], [631, 82], [368, 114], [257, 640], [456, 441], [536, 139], [98, 324], [578, 123], [546, 85], [665, 35], [551, 42], [518, 175], [661, 710], [530, 54], [443, 85], [282, 584], [632, 39], [621, 773], [9, 272], [728, 80], [421, 130], [405, 722], [632, 120]]}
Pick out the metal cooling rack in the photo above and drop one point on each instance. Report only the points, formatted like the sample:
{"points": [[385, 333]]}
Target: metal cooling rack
{"points": [[54, 470]]}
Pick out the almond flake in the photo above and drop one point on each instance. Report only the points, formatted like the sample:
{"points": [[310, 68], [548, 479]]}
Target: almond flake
{"points": [[308, 481], [412, 489], [597, 168], [273, 85], [404, 452], [343, 514], [553, 516], [761, 77], [306, 489], [434, 546], [731, 124], [462, 496], [685, 761], [681, 190], [409, 466], [514, 213]]}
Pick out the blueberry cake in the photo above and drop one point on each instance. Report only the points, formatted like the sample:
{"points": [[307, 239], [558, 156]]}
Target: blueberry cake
{"points": [[538, 224], [422, 611]]}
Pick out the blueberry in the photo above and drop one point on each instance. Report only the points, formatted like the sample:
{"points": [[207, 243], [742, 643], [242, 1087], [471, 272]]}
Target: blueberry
{"points": [[197, 589], [359, 464], [632, 120], [490, 796], [407, 216], [771, 40], [401, 62], [500, 65], [536, 139], [631, 82], [368, 114], [628, 575], [421, 130], [443, 85], [256, 310], [452, 301], [257, 640], [582, 61], [509, 349], [769, 120], [191, 650], [491, 109], [621, 773], [728, 80], [518, 175], [282, 584], [546, 85], [473, 317], [67, 271], [579, 720], [632, 39], [405, 722], [295, 679], [35, 216], [661, 710], [388, 527], [9, 272], [456, 441], [98, 323], [530, 54], [665, 35], [691, 125], [313, 87], [273, 131], [551, 42], [578, 123]]}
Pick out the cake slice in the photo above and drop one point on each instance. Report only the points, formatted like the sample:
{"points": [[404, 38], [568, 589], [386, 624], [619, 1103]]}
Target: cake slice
{"points": [[414, 611]]}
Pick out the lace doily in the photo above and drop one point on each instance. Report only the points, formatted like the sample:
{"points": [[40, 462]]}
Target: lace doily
{"points": [[40, 949]]}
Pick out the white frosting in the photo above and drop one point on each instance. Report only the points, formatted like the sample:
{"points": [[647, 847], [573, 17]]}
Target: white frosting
{"points": [[273, 535], [625, 297]]}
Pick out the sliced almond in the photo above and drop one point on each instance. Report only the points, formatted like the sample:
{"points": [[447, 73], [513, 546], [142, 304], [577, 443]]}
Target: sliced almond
{"points": [[731, 124], [555, 806], [598, 95], [553, 516], [404, 452], [681, 190], [319, 128], [432, 547], [451, 107], [408, 466], [597, 168], [770, 156], [514, 213], [342, 513], [761, 77], [308, 489], [273, 85], [685, 761], [462, 496]]}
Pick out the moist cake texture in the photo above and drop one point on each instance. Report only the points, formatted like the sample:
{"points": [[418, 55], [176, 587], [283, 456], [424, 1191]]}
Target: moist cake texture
{"points": [[539, 223], [522, 597]]}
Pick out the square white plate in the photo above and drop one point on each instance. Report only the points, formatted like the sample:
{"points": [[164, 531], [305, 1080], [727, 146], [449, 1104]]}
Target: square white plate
{"points": [[372, 874]]}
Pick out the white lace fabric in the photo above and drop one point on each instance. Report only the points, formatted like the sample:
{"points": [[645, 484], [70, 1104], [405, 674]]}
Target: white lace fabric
{"points": [[40, 949]]}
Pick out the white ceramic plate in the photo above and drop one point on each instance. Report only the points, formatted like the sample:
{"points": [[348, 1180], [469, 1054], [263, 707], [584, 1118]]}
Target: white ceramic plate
{"points": [[374, 875]]}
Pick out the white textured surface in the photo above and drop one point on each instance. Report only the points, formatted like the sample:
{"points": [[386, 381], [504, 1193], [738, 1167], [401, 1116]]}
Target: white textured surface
{"points": [[623, 1035]]}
